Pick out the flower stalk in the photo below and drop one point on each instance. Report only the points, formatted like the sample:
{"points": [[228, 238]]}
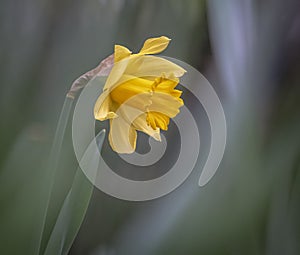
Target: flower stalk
{"points": [[102, 69]]}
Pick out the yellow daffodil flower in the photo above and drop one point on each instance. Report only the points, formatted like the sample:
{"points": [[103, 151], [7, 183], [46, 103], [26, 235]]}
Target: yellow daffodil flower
{"points": [[139, 94]]}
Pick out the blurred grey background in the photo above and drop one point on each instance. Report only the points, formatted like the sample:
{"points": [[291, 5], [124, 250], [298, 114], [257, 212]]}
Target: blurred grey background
{"points": [[248, 50]]}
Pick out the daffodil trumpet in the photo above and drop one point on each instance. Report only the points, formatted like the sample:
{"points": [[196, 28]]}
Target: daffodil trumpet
{"points": [[139, 94]]}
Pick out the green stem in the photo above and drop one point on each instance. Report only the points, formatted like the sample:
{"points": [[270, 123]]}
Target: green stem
{"points": [[52, 165]]}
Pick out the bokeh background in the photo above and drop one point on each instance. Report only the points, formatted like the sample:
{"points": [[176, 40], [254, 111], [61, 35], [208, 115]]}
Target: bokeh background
{"points": [[248, 50]]}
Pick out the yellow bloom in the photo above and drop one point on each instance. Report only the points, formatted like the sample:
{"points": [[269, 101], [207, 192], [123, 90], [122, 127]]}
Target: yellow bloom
{"points": [[139, 94]]}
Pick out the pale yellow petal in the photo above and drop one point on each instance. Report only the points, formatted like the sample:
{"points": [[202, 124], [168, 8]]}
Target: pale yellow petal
{"points": [[121, 52], [165, 104], [155, 45], [152, 66], [126, 90], [116, 73], [141, 66], [103, 107], [137, 118], [140, 123], [140, 102], [122, 136]]}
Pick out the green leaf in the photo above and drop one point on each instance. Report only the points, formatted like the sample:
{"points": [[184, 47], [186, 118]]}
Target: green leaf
{"points": [[75, 205]]}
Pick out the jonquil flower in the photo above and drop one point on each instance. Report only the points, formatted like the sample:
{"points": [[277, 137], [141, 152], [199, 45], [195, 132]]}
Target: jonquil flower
{"points": [[139, 94]]}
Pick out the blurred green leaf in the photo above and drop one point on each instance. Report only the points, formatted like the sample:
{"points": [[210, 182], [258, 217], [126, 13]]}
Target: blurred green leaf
{"points": [[74, 208]]}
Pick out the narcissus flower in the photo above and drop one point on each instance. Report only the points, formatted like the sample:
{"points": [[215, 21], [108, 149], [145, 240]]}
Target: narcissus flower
{"points": [[139, 94]]}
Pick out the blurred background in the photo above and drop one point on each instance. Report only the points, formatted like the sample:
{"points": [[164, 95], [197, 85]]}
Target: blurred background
{"points": [[248, 50]]}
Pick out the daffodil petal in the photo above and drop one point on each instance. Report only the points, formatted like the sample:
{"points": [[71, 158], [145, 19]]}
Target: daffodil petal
{"points": [[103, 106], [141, 66], [155, 45], [140, 123], [116, 73], [122, 136], [165, 104], [140, 102], [130, 88], [152, 66], [166, 84], [138, 119], [121, 52]]}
